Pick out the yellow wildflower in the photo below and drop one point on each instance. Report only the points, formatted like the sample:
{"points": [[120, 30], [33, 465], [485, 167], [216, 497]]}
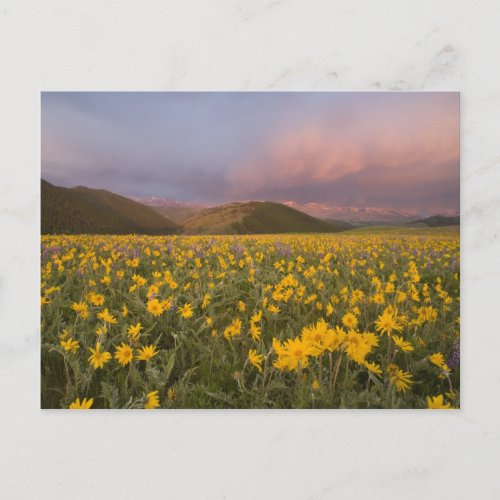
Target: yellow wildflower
{"points": [[293, 354], [146, 353], [349, 320], [373, 367], [402, 344], [98, 357], [388, 322], [96, 299], [437, 403], [255, 359], [256, 317], [70, 345], [273, 309], [106, 316], [101, 330], [155, 307], [437, 359], [186, 311], [401, 379], [256, 332], [233, 329], [84, 404], [81, 309], [134, 331], [124, 354], [206, 301], [153, 401]]}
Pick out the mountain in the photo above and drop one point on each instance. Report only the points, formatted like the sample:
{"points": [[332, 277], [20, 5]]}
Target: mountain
{"points": [[341, 224], [255, 217], [354, 215], [96, 211], [177, 211], [440, 221]]}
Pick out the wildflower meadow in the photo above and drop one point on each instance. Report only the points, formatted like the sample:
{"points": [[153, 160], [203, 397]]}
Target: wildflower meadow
{"points": [[361, 319]]}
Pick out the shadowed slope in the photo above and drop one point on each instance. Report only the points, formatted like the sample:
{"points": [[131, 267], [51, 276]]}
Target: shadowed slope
{"points": [[96, 211]]}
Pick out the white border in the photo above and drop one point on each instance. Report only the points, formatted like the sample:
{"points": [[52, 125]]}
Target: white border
{"points": [[242, 45]]}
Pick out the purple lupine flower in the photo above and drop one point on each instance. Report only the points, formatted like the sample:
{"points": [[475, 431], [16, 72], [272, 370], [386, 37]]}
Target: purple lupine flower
{"points": [[283, 250], [454, 360], [238, 249]]}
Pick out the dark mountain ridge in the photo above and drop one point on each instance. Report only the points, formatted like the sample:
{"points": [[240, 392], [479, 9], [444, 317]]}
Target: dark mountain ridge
{"points": [[83, 210], [440, 221]]}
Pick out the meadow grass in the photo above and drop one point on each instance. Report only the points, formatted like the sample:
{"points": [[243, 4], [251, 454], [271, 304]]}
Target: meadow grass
{"points": [[361, 319]]}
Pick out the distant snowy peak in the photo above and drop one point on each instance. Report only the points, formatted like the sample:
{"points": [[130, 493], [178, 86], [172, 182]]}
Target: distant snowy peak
{"points": [[154, 201], [354, 214]]}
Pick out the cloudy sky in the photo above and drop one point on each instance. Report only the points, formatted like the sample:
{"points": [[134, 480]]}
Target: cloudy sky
{"points": [[384, 150]]}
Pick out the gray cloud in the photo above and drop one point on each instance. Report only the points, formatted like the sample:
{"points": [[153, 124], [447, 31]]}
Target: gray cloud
{"points": [[393, 150]]}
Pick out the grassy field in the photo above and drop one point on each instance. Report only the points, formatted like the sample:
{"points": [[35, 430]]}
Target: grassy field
{"points": [[363, 319]]}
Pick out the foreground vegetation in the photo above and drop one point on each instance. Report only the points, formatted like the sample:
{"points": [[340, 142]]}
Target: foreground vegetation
{"points": [[351, 320]]}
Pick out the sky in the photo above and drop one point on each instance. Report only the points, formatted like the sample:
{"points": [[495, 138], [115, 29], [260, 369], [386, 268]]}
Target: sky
{"points": [[396, 150]]}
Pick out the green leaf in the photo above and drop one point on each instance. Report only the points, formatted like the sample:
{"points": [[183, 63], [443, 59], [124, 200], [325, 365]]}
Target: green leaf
{"points": [[110, 394]]}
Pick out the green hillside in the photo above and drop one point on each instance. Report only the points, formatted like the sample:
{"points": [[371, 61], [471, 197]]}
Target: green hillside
{"points": [[255, 217], [96, 211], [176, 214], [440, 221], [342, 224]]}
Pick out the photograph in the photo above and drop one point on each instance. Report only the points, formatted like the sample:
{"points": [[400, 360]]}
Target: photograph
{"points": [[250, 250], [270, 228]]}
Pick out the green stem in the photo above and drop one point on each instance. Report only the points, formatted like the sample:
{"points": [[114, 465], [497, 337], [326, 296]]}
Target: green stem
{"points": [[388, 349], [330, 371], [337, 368]]}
